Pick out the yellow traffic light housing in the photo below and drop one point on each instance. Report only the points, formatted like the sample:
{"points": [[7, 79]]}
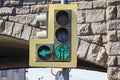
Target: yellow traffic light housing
{"points": [[59, 48]]}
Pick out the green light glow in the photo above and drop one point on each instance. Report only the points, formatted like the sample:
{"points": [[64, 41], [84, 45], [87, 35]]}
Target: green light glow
{"points": [[62, 52], [44, 52]]}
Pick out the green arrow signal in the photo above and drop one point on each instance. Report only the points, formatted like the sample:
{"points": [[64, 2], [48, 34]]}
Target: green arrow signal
{"points": [[44, 52]]}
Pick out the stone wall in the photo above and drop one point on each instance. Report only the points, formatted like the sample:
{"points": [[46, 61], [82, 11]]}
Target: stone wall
{"points": [[113, 36], [17, 17], [98, 27], [92, 31]]}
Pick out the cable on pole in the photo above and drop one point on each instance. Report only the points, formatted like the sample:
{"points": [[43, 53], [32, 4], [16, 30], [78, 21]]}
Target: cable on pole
{"points": [[69, 69], [52, 72]]}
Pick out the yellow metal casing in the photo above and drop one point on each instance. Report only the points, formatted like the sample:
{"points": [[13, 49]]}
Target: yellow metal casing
{"points": [[50, 38]]}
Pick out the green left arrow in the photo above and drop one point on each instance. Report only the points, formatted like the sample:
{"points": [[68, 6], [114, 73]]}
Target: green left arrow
{"points": [[44, 52]]}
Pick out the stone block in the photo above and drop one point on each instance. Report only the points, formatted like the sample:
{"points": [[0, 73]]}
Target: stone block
{"points": [[99, 28], [95, 15], [113, 48], [23, 10], [104, 39], [17, 31], [118, 60], [41, 1], [83, 48], [111, 12], [93, 52], [86, 38], [112, 61], [106, 47], [8, 28], [113, 25], [112, 35], [118, 35], [55, 1], [26, 32], [29, 2], [4, 17], [38, 33], [99, 4], [83, 29], [2, 25], [113, 2], [30, 19], [47, 1], [113, 73], [18, 19], [118, 72], [84, 4], [7, 11], [102, 57], [39, 9], [118, 12], [10, 3], [97, 39], [81, 16]]}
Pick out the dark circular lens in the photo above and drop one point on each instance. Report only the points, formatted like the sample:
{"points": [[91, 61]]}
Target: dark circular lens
{"points": [[62, 18], [61, 35], [44, 52]]}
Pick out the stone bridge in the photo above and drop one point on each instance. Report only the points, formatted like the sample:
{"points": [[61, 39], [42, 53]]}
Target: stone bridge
{"points": [[98, 26]]}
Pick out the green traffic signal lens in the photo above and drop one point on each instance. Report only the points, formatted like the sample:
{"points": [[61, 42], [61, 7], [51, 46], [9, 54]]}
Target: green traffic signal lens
{"points": [[62, 52], [62, 17], [62, 35], [44, 52]]}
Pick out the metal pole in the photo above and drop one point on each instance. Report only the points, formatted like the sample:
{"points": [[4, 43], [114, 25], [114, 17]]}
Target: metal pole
{"points": [[64, 1], [65, 72]]}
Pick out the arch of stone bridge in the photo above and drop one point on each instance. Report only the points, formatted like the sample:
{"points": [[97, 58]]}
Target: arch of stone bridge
{"points": [[14, 53]]}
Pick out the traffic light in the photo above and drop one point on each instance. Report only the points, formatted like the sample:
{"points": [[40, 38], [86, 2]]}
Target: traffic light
{"points": [[59, 48]]}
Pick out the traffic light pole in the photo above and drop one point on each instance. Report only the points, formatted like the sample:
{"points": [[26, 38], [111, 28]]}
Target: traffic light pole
{"points": [[65, 72], [64, 1]]}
